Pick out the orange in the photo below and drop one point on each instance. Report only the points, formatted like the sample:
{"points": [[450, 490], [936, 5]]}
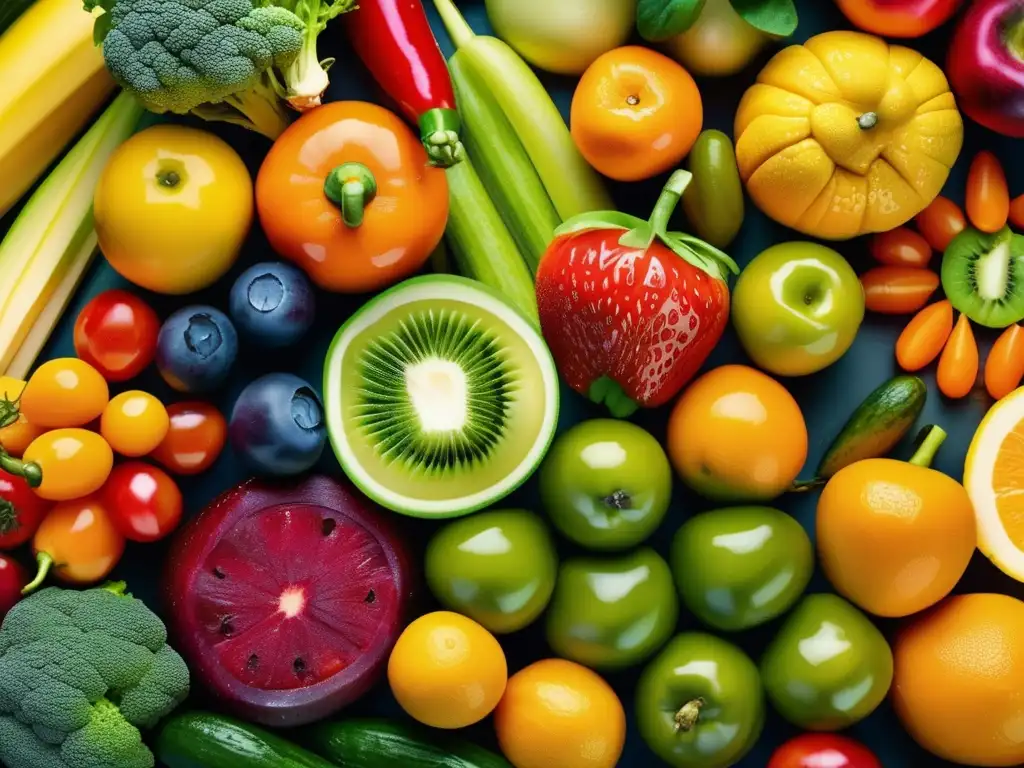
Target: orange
{"points": [[895, 537], [737, 435], [635, 113], [558, 713], [959, 680], [447, 671]]}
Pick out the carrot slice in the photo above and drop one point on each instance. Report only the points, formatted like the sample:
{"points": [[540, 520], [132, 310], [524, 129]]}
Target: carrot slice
{"points": [[988, 196], [958, 366], [925, 336]]}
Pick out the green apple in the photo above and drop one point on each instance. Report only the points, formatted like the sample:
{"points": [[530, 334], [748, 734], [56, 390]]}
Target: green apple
{"points": [[797, 308]]}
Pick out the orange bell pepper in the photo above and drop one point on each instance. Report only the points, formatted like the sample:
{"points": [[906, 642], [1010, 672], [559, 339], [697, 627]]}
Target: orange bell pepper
{"points": [[348, 194]]}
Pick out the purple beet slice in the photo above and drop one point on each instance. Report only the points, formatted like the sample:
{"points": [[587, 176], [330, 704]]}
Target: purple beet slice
{"points": [[286, 598]]}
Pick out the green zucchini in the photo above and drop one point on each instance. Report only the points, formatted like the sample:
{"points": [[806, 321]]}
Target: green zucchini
{"points": [[206, 740], [383, 744]]}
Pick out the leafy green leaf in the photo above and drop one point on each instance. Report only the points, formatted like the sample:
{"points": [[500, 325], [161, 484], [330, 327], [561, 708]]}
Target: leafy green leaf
{"points": [[100, 28], [658, 20], [599, 220], [775, 17]]}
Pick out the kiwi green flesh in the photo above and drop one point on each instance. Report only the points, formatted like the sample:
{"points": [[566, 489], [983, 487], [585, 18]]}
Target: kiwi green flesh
{"points": [[983, 276]]}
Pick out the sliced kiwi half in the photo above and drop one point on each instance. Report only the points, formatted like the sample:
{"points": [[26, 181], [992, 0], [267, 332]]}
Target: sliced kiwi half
{"points": [[983, 276], [440, 397]]}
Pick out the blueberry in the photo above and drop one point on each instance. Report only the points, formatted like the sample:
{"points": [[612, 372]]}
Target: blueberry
{"points": [[196, 348], [272, 304], [277, 425]]}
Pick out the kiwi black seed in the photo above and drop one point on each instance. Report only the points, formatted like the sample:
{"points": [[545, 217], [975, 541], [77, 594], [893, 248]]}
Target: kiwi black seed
{"points": [[983, 276], [385, 409]]}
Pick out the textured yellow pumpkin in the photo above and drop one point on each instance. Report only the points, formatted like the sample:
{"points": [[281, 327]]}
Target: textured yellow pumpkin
{"points": [[846, 135]]}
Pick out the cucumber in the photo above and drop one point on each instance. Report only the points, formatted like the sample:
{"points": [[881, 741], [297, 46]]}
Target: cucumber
{"points": [[878, 424], [384, 744], [206, 740]]}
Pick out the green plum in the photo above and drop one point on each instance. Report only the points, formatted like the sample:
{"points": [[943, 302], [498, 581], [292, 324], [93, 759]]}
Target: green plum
{"points": [[611, 613], [498, 568], [606, 484], [737, 568], [829, 667]]}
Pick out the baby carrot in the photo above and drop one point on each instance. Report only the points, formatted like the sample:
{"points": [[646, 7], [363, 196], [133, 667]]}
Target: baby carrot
{"points": [[958, 366], [988, 197], [1004, 367], [925, 336], [898, 290], [1017, 212]]}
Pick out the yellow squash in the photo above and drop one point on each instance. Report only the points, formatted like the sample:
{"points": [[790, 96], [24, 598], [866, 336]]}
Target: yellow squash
{"points": [[846, 135]]}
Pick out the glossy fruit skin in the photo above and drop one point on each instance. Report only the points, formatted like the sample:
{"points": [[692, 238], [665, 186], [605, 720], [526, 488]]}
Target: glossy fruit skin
{"points": [[497, 567], [272, 304], [694, 667], [116, 334], [901, 247], [447, 671], [719, 44], [13, 577], [173, 208], [556, 712], [194, 440], [82, 540], [925, 336], [606, 484], [898, 290], [797, 308], [134, 423], [15, 438], [74, 463], [611, 613], [826, 646], [1017, 212], [959, 362], [818, 750], [903, 18], [277, 425], [714, 200], [196, 349], [1004, 366], [988, 196], [635, 113], [737, 435], [739, 567], [143, 501], [966, 650], [21, 511], [941, 222], [402, 225], [64, 392]]}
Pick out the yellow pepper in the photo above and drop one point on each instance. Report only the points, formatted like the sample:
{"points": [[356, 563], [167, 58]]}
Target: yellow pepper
{"points": [[846, 135]]}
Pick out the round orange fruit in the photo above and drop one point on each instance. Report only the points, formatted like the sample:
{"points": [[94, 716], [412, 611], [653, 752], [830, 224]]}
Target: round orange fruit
{"points": [[958, 686], [559, 713]]}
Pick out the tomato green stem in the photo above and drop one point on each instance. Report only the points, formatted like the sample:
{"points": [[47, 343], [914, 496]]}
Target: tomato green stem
{"points": [[688, 715], [608, 391], [934, 436], [351, 187], [45, 562], [31, 471], [8, 518], [10, 410]]}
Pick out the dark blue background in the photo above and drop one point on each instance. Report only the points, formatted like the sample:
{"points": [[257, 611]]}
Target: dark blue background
{"points": [[826, 398]]}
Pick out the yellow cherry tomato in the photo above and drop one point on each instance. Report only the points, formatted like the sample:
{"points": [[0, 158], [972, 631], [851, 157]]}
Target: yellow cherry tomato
{"points": [[66, 392], [15, 437], [173, 207], [134, 423], [73, 463]]}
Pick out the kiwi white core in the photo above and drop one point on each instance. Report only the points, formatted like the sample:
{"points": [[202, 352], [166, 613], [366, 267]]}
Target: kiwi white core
{"points": [[439, 394], [993, 272]]}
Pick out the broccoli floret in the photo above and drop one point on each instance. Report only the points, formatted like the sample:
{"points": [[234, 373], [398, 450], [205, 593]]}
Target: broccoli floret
{"points": [[214, 58], [80, 674]]}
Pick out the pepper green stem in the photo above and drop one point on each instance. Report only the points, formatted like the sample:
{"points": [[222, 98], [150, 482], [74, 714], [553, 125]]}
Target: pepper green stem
{"points": [[934, 436], [45, 562], [867, 121], [351, 187], [688, 715], [609, 392], [31, 471], [439, 132], [454, 22]]}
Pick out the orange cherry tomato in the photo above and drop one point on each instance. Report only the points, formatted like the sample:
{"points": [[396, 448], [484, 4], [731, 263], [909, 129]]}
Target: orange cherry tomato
{"points": [[1004, 367], [988, 197], [194, 440], [635, 113], [1017, 212], [899, 18], [349, 195], [73, 463], [901, 247], [898, 290], [134, 423], [78, 542], [925, 336], [66, 392], [19, 432], [940, 222], [958, 366]]}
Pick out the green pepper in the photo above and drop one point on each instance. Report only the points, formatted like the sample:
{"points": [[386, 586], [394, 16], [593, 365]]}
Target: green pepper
{"points": [[611, 613], [714, 200], [699, 703], [829, 667], [739, 567]]}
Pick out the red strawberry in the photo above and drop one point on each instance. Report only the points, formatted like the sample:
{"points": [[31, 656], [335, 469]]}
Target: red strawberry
{"points": [[629, 310]]}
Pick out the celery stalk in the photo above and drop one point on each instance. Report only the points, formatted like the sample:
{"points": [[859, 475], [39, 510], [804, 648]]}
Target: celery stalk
{"points": [[52, 242]]}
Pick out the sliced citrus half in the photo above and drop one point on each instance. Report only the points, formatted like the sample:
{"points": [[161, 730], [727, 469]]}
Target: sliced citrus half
{"points": [[994, 479], [441, 398]]}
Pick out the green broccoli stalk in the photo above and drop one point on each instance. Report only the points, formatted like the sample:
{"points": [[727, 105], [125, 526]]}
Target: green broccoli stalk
{"points": [[305, 79], [213, 58]]}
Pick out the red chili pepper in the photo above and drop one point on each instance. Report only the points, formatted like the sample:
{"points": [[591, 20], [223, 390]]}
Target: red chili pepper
{"points": [[395, 42]]}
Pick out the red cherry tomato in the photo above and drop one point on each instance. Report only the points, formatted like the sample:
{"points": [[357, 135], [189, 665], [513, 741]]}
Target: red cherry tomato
{"points": [[13, 578], [116, 333], [21, 511], [823, 750], [194, 440], [143, 501]]}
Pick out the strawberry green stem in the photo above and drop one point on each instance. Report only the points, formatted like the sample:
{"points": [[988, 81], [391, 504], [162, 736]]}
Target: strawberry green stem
{"points": [[934, 436], [668, 200]]}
